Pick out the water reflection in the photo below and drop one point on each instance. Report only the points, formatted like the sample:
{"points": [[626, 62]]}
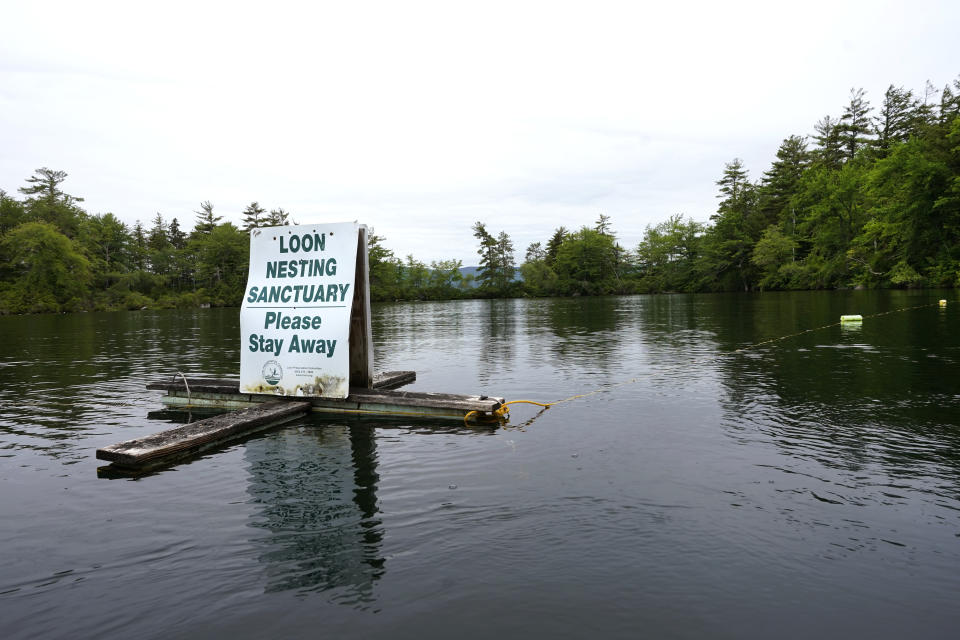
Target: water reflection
{"points": [[70, 376], [498, 344], [877, 396], [677, 328], [315, 488], [577, 335]]}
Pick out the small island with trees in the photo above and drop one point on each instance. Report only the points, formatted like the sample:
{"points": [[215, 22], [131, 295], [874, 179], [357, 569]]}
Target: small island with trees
{"points": [[871, 199]]}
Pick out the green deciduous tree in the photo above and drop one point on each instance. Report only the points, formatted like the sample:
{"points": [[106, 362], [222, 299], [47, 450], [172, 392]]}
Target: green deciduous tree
{"points": [[586, 263], [774, 255], [668, 255], [50, 272], [835, 208], [106, 240], [444, 280], [222, 259], [911, 236], [384, 270], [12, 213]]}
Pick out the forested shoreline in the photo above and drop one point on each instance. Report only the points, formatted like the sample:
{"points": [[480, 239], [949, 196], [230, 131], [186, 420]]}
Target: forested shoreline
{"points": [[871, 199]]}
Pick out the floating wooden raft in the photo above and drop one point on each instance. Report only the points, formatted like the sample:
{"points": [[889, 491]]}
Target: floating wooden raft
{"points": [[381, 400], [159, 449]]}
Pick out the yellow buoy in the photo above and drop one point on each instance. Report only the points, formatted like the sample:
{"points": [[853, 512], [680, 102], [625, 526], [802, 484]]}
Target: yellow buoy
{"points": [[857, 318], [943, 303]]}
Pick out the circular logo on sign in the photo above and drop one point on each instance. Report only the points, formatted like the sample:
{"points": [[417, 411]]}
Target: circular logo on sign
{"points": [[272, 372]]}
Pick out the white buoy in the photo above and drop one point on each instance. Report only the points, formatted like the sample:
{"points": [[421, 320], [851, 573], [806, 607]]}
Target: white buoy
{"points": [[856, 318]]}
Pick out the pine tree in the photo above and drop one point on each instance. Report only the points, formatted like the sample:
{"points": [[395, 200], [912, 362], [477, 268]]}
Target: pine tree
{"points": [[897, 120], [138, 248], [735, 229], [47, 202], [176, 236], [603, 225], [506, 263], [781, 182], [206, 221], [183, 264], [553, 244], [253, 216], [487, 251], [854, 127], [158, 238], [733, 183], [277, 218], [950, 103], [159, 249], [45, 184], [535, 253], [829, 152]]}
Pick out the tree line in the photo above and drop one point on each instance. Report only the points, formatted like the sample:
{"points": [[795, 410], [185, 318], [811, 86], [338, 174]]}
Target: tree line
{"points": [[54, 256], [871, 199]]}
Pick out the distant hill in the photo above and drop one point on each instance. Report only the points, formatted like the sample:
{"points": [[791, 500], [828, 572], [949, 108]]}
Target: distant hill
{"points": [[475, 272]]}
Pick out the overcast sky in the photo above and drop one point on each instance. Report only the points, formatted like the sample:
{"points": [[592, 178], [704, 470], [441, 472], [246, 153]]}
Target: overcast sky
{"points": [[419, 118]]}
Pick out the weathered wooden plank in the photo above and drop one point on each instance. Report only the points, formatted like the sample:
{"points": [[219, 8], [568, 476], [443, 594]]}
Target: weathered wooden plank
{"points": [[400, 411], [393, 379], [423, 399], [193, 438], [384, 380], [361, 329], [211, 385], [212, 401]]}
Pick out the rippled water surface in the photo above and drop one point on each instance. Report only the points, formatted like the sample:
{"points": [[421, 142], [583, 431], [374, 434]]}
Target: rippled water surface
{"points": [[715, 487]]}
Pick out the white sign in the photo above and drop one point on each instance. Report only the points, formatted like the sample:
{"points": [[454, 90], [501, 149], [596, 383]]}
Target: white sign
{"points": [[295, 320]]}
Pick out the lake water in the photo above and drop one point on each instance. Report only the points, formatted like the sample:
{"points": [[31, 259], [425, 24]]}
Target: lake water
{"points": [[807, 487]]}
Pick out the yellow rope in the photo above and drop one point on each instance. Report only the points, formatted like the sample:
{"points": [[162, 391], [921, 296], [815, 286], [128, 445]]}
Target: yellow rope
{"points": [[504, 410]]}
